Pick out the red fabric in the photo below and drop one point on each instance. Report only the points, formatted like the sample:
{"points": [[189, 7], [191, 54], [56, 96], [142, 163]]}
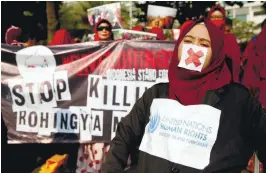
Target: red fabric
{"points": [[218, 23], [189, 87], [248, 50], [61, 36], [12, 35], [138, 28], [232, 50], [96, 36], [255, 71], [159, 32]]}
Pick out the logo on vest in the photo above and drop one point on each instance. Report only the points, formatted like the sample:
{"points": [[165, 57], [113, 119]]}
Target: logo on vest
{"points": [[154, 123]]}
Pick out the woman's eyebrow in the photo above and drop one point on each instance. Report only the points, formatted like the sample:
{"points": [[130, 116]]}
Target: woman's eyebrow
{"points": [[190, 36], [204, 39]]}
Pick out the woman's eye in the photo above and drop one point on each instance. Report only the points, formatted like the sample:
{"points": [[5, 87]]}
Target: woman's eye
{"points": [[187, 41], [204, 45]]}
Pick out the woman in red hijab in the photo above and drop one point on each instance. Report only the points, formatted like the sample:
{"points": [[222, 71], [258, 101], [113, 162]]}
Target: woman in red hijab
{"points": [[61, 36], [103, 31], [217, 16], [91, 156], [199, 122]]}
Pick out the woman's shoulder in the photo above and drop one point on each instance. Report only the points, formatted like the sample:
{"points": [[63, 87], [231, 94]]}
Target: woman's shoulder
{"points": [[159, 90], [235, 89]]}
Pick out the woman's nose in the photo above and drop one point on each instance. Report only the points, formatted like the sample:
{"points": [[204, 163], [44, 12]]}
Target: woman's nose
{"points": [[196, 42]]}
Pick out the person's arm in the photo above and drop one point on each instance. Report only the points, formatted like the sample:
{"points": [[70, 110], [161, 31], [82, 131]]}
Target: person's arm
{"points": [[257, 118], [128, 135]]}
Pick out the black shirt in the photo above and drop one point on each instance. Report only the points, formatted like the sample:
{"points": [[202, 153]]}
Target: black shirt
{"points": [[242, 131]]}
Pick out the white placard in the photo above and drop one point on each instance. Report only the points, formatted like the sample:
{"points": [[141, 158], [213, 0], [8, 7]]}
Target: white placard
{"points": [[181, 134], [97, 123], [117, 117], [61, 86]]}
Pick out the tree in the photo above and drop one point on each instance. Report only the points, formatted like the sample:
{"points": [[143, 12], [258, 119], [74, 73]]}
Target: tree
{"points": [[52, 21], [244, 31]]}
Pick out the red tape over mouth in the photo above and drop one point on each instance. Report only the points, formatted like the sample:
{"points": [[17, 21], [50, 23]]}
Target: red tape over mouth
{"points": [[194, 57]]}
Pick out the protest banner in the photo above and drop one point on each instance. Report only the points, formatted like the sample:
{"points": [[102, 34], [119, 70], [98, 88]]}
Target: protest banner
{"points": [[78, 92], [110, 12], [132, 35]]}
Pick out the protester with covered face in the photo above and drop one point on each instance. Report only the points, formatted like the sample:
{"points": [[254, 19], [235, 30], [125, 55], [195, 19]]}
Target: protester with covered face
{"points": [[199, 121], [217, 16]]}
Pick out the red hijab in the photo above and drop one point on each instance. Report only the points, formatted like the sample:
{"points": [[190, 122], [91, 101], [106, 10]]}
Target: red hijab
{"points": [[185, 24], [96, 36], [159, 32], [214, 8], [189, 87], [61, 36], [255, 70]]}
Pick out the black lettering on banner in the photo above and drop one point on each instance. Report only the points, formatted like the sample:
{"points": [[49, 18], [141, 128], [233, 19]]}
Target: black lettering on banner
{"points": [[14, 91], [29, 85], [125, 97], [146, 88], [84, 119], [94, 87], [60, 90], [116, 121], [55, 120], [137, 93], [73, 121], [44, 119], [50, 91], [64, 118], [22, 117], [97, 123], [32, 121], [114, 96], [105, 95]]}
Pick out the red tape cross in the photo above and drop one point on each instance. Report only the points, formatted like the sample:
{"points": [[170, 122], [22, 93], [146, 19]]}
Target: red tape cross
{"points": [[194, 57]]}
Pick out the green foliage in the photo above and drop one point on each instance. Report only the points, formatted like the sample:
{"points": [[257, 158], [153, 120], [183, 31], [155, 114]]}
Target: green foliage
{"points": [[125, 13], [27, 13], [244, 31], [168, 34], [73, 15]]}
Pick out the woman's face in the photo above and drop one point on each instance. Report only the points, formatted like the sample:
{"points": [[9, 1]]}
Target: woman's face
{"points": [[198, 36], [217, 15], [104, 31]]}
